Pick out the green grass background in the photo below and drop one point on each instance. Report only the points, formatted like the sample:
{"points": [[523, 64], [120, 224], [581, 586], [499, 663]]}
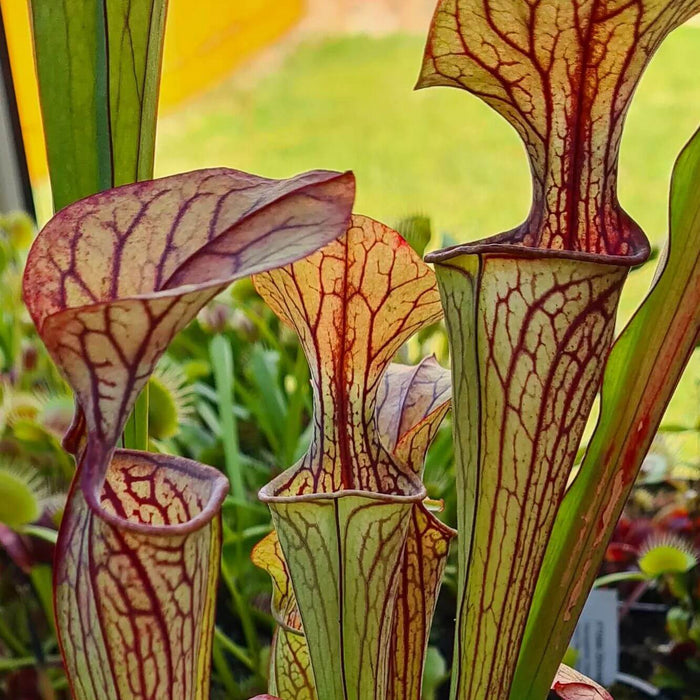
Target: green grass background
{"points": [[348, 103]]}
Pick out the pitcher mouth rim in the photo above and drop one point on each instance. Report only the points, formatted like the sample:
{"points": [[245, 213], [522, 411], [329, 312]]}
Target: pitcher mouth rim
{"points": [[500, 246]]}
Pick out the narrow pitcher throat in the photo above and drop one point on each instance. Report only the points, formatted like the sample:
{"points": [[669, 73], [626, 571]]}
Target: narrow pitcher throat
{"points": [[366, 468], [510, 244]]}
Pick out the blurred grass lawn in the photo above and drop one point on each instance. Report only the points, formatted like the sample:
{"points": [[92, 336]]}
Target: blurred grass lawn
{"points": [[347, 103]]}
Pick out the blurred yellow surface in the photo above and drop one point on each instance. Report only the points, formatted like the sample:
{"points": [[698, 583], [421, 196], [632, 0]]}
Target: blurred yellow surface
{"points": [[204, 41]]}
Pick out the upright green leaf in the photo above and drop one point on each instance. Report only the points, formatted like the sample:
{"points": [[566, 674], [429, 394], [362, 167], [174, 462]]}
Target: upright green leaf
{"points": [[70, 48], [134, 34], [98, 64], [643, 370]]}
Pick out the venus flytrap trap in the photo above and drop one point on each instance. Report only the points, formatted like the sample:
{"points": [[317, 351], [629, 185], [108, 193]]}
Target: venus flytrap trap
{"points": [[109, 281], [23, 495]]}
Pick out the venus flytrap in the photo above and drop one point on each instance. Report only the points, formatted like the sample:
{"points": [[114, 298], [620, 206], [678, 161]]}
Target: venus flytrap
{"points": [[109, 281]]}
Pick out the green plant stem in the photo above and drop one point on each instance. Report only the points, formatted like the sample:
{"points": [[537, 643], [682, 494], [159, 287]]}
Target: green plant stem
{"points": [[249, 631], [232, 503], [10, 639], [256, 532], [41, 578], [8, 665], [620, 576], [234, 649], [136, 429], [222, 364], [295, 410], [43, 533], [223, 671]]}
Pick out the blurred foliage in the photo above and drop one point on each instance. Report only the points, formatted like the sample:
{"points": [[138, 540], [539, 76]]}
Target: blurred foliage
{"points": [[35, 410], [653, 560]]}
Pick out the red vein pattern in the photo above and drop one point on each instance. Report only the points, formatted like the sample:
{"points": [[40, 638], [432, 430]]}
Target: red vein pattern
{"points": [[290, 666], [529, 340], [136, 608], [563, 74], [412, 402], [112, 278], [661, 337], [353, 304], [109, 282], [420, 576], [530, 312], [569, 684], [343, 512]]}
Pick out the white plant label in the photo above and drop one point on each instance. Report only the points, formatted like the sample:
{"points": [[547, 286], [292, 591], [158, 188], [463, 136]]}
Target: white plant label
{"points": [[596, 638]]}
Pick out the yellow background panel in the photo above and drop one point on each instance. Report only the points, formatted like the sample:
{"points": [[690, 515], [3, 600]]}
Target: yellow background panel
{"points": [[204, 41]]}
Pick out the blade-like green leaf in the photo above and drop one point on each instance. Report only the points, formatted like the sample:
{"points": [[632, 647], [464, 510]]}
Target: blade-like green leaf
{"points": [[642, 372], [98, 63], [69, 43], [134, 53]]}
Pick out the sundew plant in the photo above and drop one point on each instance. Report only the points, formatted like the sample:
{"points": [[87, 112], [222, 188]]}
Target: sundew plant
{"points": [[358, 552]]}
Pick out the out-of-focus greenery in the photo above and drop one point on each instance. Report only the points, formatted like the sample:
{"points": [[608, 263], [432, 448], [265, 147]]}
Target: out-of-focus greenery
{"points": [[653, 559]]}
